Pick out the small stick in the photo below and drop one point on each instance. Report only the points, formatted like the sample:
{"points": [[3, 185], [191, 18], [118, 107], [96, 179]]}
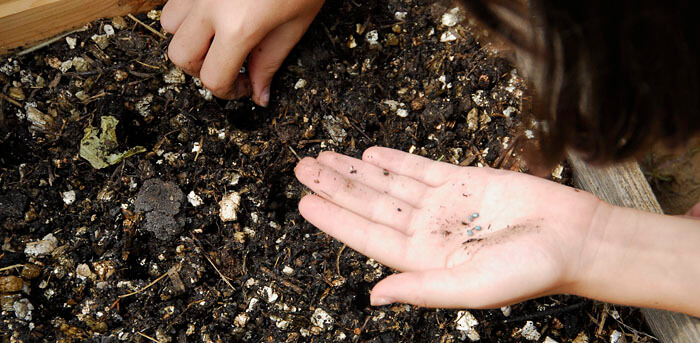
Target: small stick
{"points": [[11, 267], [294, 152], [146, 26], [148, 337], [12, 101], [223, 277], [49, 42], [603, 316], [337, 260], [201, 141], [145, 288]]}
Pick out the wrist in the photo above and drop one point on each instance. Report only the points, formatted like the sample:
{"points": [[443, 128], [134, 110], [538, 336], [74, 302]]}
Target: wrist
{"points": [[585, 266], [642, 259]]}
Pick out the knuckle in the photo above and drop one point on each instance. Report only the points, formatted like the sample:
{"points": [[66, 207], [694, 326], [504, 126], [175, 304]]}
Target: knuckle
{"points": [[216, 86]]}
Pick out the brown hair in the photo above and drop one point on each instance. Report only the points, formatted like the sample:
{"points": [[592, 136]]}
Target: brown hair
{"points": [[610, 77]]}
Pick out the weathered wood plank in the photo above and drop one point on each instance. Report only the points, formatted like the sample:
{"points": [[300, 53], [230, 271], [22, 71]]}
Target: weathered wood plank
{"points": [[625, 185], [26, 22]]}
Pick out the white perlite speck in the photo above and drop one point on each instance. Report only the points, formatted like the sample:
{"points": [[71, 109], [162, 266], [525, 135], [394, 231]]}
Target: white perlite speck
{"points": [[174, 76], [194, 199], [108, 29], [68, 197], [448, 36], [529, 331], [23, 309], [549, 340], [42, 247], [451, 17], [241, 320], [301, 83], [229, 206], [71, 41], [506, 310], [466, 322], [509, 111], [372, 37], [83, 272], [268, 294], [322, 319], [615, 337], [399, 108]]}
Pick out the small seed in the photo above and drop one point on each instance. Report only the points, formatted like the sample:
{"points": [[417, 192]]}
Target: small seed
{"points": [[470, 232]]}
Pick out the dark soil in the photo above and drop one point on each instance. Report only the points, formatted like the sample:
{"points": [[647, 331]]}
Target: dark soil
{"points": [[133, 259]]}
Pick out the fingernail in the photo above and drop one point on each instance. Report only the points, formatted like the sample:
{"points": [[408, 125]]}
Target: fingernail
{"points": [[379, 301], [265, 97]]}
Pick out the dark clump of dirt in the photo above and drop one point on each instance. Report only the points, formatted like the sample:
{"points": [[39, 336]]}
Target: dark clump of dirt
{"points": [[160, 202], [138, 251]]}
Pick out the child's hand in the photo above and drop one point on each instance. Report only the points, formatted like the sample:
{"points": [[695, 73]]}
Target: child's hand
{"points": [[413, 214], [214, 37]]}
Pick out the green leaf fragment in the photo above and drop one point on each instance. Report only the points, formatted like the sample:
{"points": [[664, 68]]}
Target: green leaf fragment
{"points": [[97, 145]]}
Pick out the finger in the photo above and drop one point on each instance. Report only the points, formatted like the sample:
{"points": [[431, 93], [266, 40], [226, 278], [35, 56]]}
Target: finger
{"points": [[266, 58], [190, 43], [355, 196], [419, 168], [174, 13], [392, 184], [377, 241], [222, 66]]}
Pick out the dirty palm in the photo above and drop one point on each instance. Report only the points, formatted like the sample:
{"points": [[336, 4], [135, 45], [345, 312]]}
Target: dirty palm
{"points": [[484, 236]]}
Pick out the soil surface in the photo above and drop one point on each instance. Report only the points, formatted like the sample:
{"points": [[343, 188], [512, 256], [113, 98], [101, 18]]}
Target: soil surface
{"points": [[198, 238]]}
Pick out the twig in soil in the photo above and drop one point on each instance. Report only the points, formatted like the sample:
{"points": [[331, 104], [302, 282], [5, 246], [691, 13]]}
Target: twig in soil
{"points": [[603, 316], [146, 26], [49, 42], [223, 277], [358, 129], [11, 267], [12, 101], [147, 65], [145, 288], [632, 329], [294, 152], [358, 331], [551, 312], [148, 337], [337, 260]]}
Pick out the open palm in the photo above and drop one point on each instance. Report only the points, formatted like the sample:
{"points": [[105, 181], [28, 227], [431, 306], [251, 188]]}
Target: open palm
{"points": [[462, 236]]}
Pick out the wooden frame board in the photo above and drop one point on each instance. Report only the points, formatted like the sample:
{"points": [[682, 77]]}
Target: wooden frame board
{"points": [[27, 22]]}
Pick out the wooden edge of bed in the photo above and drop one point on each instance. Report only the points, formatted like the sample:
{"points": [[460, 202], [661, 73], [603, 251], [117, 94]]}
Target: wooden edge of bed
{"points": [[24, 22]]}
